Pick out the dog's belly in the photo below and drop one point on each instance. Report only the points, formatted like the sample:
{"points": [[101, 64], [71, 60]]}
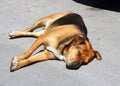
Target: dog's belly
{"points": [[57, 53]]}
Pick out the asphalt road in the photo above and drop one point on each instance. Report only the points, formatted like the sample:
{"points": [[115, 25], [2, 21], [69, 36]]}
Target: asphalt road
{"points": [[104, 34]]}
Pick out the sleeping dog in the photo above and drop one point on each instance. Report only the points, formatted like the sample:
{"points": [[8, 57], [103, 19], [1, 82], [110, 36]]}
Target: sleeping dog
{"points": [[64, 36]]}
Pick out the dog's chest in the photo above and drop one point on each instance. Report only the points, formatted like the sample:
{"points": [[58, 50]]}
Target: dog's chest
{"points": [[57, 53]]}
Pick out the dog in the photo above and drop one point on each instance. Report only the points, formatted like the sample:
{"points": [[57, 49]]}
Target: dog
{"points": [[64, 36]]}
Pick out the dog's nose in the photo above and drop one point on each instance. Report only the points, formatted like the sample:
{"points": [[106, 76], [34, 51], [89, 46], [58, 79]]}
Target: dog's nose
{"points": [[74, 65]]}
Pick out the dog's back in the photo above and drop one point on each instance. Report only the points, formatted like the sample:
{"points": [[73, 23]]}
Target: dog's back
{"points": [[71, 18]]}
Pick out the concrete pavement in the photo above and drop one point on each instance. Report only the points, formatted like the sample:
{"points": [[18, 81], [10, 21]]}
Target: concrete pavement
{"points": [[103, 27]]}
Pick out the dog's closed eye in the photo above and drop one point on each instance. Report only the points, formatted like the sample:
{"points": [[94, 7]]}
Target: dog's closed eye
{"points": [[81, 43]]}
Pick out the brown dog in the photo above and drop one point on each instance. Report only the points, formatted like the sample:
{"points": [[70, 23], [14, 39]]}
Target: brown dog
{"points": [[64, 36]]}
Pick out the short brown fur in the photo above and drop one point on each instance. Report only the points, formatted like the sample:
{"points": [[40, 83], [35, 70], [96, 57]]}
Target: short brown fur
{"points": [[69, 40]]}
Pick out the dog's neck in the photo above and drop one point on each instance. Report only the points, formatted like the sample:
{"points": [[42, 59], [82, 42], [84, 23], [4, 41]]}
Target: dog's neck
{"points": [[56, 52]]}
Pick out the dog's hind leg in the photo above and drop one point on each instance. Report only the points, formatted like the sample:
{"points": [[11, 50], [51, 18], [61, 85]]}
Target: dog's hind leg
{"points": [[38, 24], [27, 32], [41, 56], [42, 23]]}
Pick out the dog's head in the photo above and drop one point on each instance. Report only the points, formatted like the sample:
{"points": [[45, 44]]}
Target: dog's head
{"points": [[80, 51]]}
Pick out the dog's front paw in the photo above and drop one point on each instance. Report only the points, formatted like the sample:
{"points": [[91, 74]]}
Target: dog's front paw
{"points": [[14, 64], [13, 34]]}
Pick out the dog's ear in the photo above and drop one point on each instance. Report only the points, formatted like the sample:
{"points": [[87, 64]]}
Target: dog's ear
{"points": [[66, 40], [96, 53], [98, 56]]}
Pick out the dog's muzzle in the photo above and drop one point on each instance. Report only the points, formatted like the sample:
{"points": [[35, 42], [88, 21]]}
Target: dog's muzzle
{"points": [[74, 65]]}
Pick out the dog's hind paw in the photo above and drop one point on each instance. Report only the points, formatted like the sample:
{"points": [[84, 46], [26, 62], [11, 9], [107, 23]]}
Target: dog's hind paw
{"points": [[12, 34], [14, 64]]}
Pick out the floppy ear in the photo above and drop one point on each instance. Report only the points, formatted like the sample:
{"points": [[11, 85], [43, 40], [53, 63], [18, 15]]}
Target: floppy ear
{"points": [[66, 40], [98, 56]]}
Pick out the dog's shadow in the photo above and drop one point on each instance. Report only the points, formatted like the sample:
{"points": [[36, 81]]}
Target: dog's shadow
{"points": [[113, 5]]}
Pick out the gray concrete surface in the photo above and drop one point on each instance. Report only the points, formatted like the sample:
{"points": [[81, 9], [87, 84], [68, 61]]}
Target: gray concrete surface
{"points": [[104, 34]]}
